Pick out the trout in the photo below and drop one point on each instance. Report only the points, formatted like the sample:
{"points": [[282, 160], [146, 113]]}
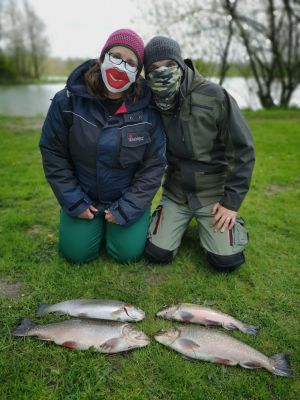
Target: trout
{"points": [[99, 309], [82, 334], [197, 343], [203, 315]]}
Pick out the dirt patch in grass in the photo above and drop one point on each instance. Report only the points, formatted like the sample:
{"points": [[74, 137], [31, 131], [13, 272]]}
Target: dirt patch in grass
{"points": [[10, 290], [276, 188], [155, 277], [35, 229]]}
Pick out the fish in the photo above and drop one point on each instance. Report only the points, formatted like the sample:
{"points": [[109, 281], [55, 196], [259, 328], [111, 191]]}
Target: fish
{"points": [[196, 314], [113, 310], [83, 334], [197, 343]]}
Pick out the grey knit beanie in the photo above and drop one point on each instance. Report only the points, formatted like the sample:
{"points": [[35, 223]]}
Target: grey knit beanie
{"points": [[162, 48]]}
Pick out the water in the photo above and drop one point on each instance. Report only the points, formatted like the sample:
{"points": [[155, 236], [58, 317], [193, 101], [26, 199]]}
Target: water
{"points": [[27, 99], [35, 99]]}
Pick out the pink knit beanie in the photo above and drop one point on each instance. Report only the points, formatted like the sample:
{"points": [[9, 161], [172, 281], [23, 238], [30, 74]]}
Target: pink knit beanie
{"points": [[127, 38]]}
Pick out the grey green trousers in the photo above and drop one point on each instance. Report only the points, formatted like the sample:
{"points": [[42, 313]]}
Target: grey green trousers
{"points": [[170, 220], [80, 239]]}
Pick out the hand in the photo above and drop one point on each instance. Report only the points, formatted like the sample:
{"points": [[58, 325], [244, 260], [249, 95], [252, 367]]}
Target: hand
{"points": [[110, 218], [223, 218], [88, 213]]}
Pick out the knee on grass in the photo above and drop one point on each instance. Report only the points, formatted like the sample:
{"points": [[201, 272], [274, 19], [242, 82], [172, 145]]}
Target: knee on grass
{"points": [[157, 255], [225, 263]]}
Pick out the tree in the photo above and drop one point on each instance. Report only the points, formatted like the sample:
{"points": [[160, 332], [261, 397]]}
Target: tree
{"points": [[37, 42], [270, 34], [23, 44], [265, 33]]}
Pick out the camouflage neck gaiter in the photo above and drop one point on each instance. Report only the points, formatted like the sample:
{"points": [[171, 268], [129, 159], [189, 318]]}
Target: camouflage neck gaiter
{"points": [[165, 84]]}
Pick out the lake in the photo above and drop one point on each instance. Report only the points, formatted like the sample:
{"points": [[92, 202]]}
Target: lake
{"points": [[35, 99]]}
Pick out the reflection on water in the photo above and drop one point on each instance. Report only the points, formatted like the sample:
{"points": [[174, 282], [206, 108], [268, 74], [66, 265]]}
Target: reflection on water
{"points": [[27, 99], [35, 99]]}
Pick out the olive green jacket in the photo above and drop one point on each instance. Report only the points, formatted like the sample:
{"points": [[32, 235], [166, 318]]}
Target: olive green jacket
{"points": [[210, 149]]}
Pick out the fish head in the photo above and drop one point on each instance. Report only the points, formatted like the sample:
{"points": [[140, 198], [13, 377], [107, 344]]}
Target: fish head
{"points": [[135, 337], [133, 313], [167, 312], [167, 337]]}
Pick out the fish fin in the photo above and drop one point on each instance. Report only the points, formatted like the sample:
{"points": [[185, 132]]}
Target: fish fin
{"points": [[281, 365], [109, 345], [223, 361], [230, 325], [69, 344], [24, 327], [211, 322], [186, 316], [83, 315], [250, 329], [41, 310], [188, 344], [250, 364], [188, 358], [116, 314], [60, 313]]}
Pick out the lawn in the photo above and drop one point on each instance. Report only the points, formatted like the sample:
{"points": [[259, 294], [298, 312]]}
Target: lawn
{"points": [[264, 292]]}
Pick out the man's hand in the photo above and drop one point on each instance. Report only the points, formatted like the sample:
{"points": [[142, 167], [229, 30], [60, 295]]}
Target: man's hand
{"points": [[110, 218], [88, 213], [223, 218]]}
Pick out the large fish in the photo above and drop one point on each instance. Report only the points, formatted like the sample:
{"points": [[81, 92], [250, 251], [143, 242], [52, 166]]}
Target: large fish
{"points": [[203, 315], [194, 342], [82, 334], [99, 309]]}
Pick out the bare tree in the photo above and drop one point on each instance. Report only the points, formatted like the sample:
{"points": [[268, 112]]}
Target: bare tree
{"points": [[270, 34], [202, 29], [37, 41], [263, 33]]}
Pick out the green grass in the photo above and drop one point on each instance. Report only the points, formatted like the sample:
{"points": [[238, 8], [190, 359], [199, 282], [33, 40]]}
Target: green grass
{"points": [[264, 292]]}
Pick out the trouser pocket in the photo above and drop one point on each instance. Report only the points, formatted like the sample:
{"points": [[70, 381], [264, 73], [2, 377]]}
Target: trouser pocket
{"points": [[238, 234], [156, 220]]}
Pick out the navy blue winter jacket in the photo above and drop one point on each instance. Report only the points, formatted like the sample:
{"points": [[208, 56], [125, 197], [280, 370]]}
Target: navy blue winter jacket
{"points": [[89, 157]]}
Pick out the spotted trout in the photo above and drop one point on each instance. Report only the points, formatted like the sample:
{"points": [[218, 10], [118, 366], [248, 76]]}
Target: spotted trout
{"points": [[197, 343], [82, 334], [203, 315], [99, 309]]}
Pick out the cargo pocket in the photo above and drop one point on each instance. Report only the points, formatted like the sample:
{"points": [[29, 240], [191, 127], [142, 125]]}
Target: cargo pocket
{"points": [[156, 219], [133, 147], [238, 235]]}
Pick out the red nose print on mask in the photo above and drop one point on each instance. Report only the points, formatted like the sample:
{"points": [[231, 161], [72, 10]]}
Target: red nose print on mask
{"points": [[116, 78]]}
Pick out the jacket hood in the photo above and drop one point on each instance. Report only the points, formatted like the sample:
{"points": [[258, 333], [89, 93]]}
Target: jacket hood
{"points": [[192, 78], [76, 85]]}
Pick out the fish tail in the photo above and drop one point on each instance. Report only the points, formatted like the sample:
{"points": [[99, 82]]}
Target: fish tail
{"points": [[250, 329], [41, 310], [281, 365], [25, 325]]}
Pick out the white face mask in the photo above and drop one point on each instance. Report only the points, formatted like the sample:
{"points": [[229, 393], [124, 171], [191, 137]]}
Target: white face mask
{"points": [[116, 77]]}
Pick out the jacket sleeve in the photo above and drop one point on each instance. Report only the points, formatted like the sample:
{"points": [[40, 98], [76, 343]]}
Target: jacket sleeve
{"points": [[134, 201], [57, 163], [239, 154]]}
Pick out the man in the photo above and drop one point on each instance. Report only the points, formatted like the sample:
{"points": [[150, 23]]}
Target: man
{"points": [[210, 156]]}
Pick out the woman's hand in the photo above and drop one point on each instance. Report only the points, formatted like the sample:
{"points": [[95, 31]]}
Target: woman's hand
{"points": [[223, 218], [110, 218], [88, 213]]}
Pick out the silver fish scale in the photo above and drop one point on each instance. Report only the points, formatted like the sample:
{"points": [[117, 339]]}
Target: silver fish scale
{"points": [[218, 343]]}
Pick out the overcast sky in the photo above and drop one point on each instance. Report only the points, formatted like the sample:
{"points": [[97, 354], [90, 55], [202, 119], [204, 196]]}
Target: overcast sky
{"points": [[80, 28]]}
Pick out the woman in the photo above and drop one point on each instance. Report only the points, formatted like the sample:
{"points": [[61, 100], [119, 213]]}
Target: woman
{"points": [[104, 153]]}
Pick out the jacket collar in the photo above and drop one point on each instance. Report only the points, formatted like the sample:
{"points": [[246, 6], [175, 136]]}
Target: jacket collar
{"points": [[76, 85]]}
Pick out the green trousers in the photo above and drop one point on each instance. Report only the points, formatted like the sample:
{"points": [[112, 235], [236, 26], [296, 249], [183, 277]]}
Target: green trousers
{"points": [[80, 239]]}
